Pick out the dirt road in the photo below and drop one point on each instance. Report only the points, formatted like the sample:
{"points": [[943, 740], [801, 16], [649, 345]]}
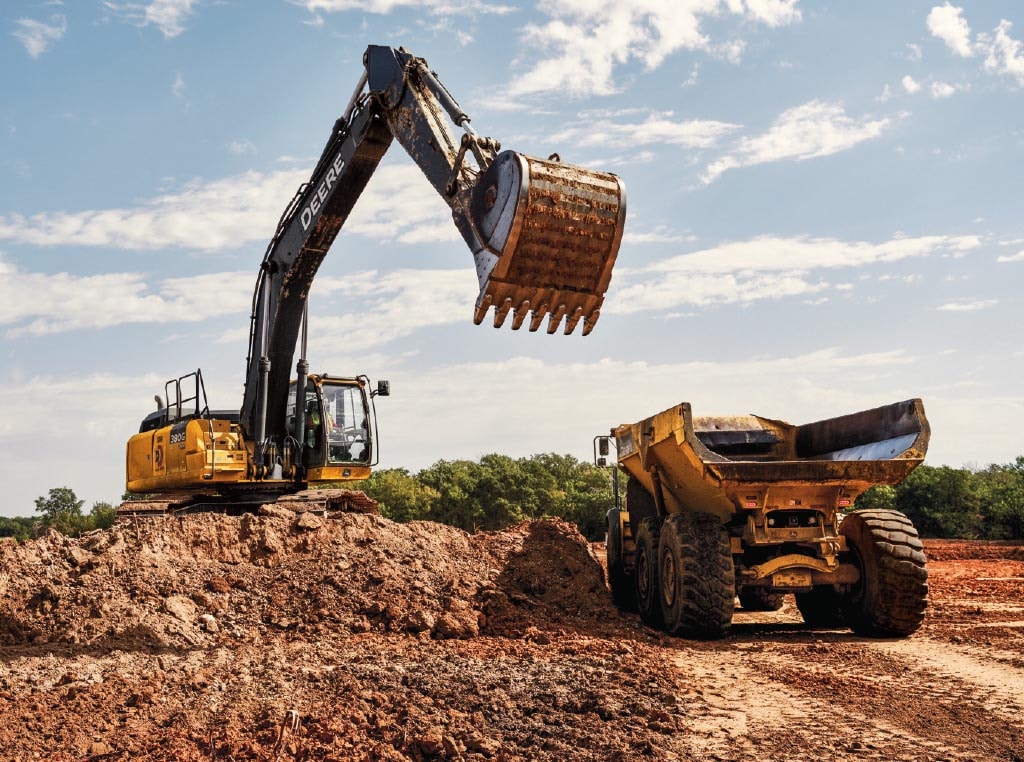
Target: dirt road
{"points": [[282, 637]]}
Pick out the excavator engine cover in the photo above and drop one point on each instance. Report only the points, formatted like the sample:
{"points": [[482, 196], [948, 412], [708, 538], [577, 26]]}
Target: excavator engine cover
{"points": [[551, 232]]}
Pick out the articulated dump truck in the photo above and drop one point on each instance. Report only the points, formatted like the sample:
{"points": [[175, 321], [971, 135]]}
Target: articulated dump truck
{"points": [[743, 506]]}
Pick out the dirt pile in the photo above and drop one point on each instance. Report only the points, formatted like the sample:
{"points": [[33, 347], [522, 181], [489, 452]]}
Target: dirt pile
{"points": [[307, 637], [203, 580]]}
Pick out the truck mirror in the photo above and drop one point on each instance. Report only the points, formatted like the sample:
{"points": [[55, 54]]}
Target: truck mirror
{"points": [[383, 389], [602, 447], [602, 462]]}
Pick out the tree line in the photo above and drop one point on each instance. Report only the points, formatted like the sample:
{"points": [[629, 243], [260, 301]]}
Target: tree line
{"points": [[985, 504], [60, 509], [498, 491], [495, 492]]}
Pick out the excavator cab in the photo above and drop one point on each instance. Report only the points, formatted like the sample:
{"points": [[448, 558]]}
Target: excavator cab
{"points": [[337, 426]]}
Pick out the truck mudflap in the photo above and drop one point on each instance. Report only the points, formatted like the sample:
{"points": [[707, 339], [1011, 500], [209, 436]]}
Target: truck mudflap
{"points": [[551, 233]]}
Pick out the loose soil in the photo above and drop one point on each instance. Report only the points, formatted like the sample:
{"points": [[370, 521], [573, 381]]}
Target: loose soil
{"points": [[286, 636]]}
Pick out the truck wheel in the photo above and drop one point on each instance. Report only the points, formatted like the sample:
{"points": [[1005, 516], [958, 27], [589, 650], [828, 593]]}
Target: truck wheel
{"points": [[648, 591], [698, 580], [759, 599], [623, 590], [890, 598], [820, 608]]}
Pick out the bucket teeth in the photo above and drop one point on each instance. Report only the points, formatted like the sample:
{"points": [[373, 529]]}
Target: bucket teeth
{"points": [[481, 309], [572, 320], [549, 244], [519, 315], [556, 318], [501, 312], [538, 315]]}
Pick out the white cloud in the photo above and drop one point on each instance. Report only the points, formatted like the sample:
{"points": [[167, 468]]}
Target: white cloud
{"points": [[178, 86], [909, 84], [1005, 54], [947, 23], [804, 132], [659, 127], [584, 41], [169, 16], [241, 147], [660, 234], [36, 304], [963, 306], [39, 36], [914, 52], [939, 89], [761, 268], [237, 210], [402, 302], [438, 7], [1018, 257]]}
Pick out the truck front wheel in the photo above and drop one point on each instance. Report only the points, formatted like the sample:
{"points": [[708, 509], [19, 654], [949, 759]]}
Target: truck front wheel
{"points": [[890, 598], [648, 589], [621, 584], [698, 579]]}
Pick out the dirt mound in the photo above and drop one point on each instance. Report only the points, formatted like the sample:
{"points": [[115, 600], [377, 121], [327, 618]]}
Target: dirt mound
{"points": [[304, 637], [207, 579], [299, 636]]}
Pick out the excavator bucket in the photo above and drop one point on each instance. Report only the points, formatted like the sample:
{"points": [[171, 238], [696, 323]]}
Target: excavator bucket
{"points": [[551, 232]]}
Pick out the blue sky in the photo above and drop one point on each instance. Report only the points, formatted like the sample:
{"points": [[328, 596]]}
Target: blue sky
{"points": [[824, 216]]}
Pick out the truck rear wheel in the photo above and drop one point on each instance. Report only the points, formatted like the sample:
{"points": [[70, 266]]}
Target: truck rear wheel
{"points": [[760, 599], [621, 584], [648, 589], [820, 608], [890, 598], [698, 580]]}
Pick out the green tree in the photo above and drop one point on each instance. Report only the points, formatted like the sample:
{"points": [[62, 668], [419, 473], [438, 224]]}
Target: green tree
{"points": [[61, 503], [879, 496], [1001, 495], [17, 528], [102, 516], [62, 510], [401, 496], [942, 502]]}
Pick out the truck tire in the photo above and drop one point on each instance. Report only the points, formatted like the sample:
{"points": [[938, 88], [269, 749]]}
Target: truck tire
{"points": [[698, 579], [890, 598], [821, 608], [621, 583], [760, 599], [648, 589]]}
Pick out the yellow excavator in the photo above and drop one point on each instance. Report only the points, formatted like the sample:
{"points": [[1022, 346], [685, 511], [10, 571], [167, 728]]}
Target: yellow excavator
{"points": [[544, 236]]}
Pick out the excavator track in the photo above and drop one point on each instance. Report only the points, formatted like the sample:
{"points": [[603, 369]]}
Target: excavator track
{"points": [[320, 500]]}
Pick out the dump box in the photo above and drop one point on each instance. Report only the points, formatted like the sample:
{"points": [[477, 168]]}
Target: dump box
{"points": [[725, 506]]}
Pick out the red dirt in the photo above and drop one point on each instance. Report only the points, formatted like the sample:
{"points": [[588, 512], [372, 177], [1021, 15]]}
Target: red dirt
{"points": [[284, 637]]}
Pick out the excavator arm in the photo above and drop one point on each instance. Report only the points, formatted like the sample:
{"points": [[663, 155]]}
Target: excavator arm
{"points": [[544, 235]]}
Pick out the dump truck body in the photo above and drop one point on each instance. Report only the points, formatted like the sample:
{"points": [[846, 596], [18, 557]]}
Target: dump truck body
{"points": [[771, 496]]}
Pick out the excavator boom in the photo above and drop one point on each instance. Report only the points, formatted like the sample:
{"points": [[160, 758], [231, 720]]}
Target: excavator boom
{"points": [[543, 234]]}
